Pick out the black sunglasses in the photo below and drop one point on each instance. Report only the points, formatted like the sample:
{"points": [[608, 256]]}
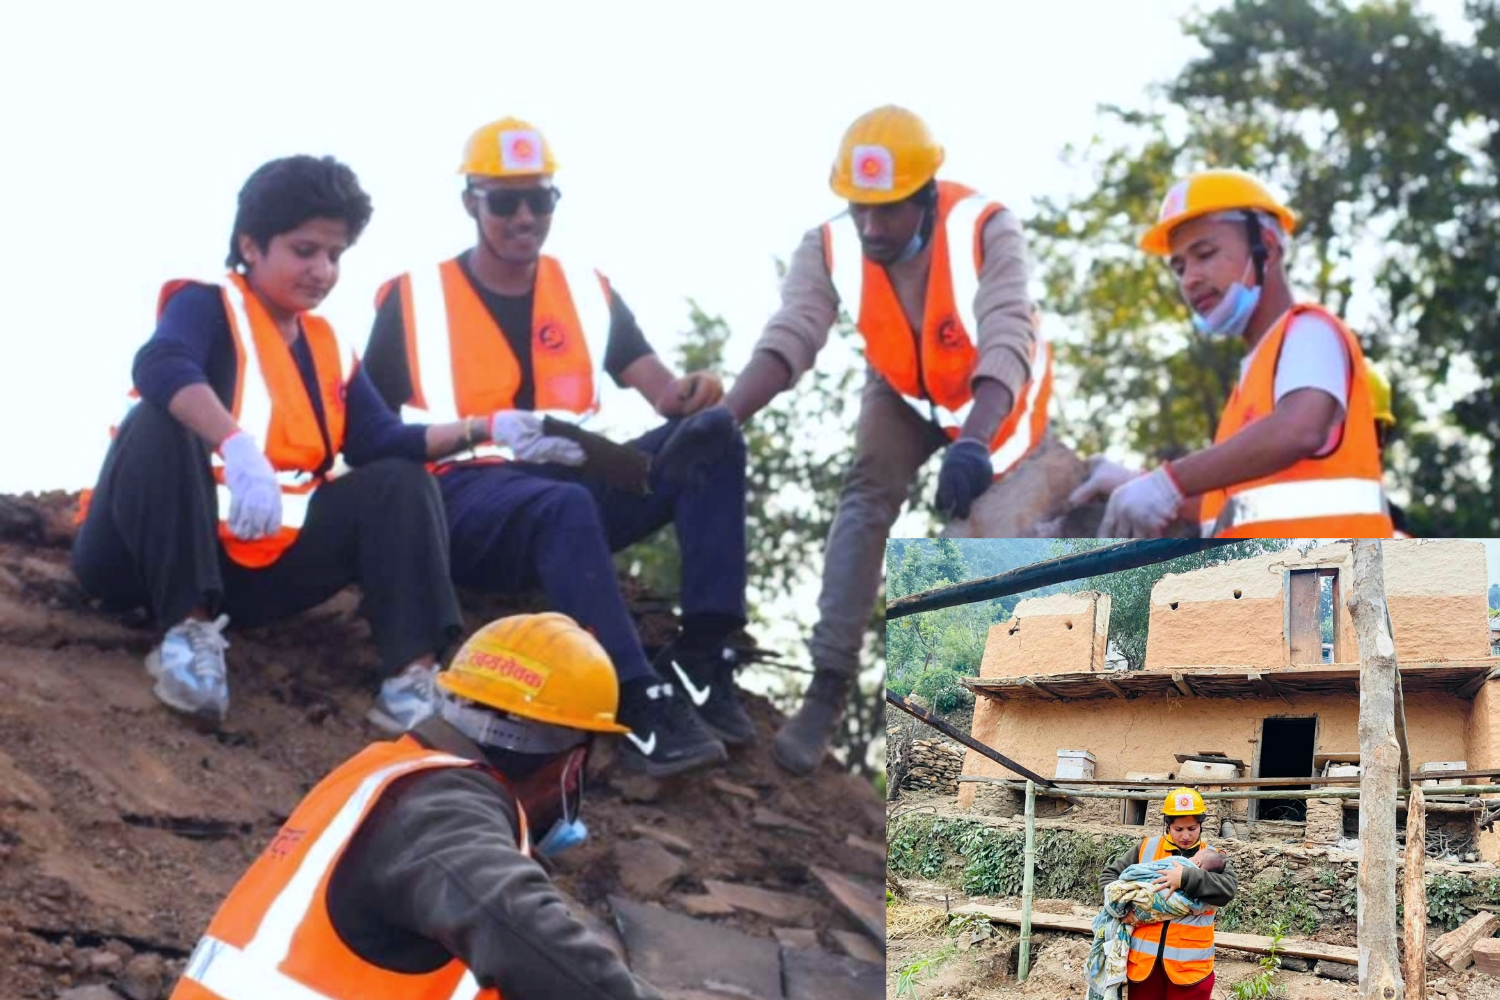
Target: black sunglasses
{"points": [[505, 202]]}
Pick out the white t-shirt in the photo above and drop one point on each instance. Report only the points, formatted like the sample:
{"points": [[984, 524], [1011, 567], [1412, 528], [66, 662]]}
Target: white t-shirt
{"points": [[1313, 356]]}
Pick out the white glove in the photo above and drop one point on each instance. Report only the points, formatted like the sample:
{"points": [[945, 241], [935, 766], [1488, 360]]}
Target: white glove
{"points": [[521, 432], [1143, 507], [254, 494], [1104, 478]]}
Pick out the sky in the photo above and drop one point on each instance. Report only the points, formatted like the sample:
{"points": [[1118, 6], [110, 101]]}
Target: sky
{"points": [[694, 143]]}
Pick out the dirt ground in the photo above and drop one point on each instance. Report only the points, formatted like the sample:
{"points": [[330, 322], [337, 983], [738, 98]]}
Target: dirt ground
{"points": [[121, 828], [981, 966]]}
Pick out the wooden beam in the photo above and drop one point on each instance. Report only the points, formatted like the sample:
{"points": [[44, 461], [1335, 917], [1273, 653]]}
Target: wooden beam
{"points": [[1031, 685], [1470, 689], [1182, 684], [1379, 933], [1262, 684], [1253, 943], [1109, 559], [946, 729], [1112, 687]]}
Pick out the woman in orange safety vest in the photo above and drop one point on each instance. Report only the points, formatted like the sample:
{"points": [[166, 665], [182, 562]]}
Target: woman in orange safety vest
{"points": [[257, 472], [1295, 453], [1175, 960]]}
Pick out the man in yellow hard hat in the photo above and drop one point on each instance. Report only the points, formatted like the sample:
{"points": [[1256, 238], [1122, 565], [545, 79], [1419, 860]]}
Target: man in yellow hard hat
{"points": [[934, 277], [1295, 452], [411, 869], [504, 336], [1174, 960], [1385, 425]]}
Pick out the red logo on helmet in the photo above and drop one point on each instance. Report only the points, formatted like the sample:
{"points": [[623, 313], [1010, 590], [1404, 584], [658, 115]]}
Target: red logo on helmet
{"points": [[522, 149]]}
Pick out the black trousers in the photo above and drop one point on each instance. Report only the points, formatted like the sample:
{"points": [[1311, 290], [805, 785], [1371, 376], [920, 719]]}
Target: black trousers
{"points": [[151, 539]]}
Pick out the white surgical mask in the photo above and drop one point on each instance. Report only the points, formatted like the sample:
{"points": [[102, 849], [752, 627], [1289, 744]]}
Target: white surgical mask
{"points": [[1231, 314]]}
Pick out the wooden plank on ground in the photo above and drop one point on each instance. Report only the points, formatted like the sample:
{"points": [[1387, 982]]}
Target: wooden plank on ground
{"points": [[1253, 943]]}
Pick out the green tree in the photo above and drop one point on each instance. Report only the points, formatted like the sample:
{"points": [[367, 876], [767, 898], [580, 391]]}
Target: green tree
{"points": [[1386, 134], [1495, 595], [1130, 589]]}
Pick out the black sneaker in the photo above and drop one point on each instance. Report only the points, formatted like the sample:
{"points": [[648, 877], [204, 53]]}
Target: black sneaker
{"points": [[706, 677], [666, 737]]}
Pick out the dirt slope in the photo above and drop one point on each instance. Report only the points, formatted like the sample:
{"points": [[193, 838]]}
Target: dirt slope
{"points": [[121, 828]]}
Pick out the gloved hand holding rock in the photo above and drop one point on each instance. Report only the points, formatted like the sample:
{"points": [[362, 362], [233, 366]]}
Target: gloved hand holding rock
{"points": [[254, 494], [1143, 507], [965, 474], [1104, 478], [521, 432]]}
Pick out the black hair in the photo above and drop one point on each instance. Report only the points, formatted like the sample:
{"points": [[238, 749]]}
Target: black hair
{"points": [[283, 194], [516, 765]]}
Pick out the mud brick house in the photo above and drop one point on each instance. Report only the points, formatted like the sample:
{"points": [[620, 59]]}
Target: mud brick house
{"points": [[1237, 667]]}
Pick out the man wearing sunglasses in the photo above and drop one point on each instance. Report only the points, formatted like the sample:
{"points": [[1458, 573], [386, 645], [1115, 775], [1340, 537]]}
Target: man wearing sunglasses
{"points": [[504, 334], [411, 870], [933, 275]]}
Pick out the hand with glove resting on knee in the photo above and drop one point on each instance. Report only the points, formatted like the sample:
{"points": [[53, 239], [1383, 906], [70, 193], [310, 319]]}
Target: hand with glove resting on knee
{"points": [[521, 432], [254, 493]]}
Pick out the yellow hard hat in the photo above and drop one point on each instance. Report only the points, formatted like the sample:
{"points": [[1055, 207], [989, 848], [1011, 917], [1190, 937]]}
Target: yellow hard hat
{"points": [[507, 148], [543, 667], [1207, 192], [885, 156], [1183, 802], [1380, 392]]}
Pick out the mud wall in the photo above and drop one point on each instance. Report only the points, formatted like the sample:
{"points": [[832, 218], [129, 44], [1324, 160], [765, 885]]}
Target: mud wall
{"points": [[1234, 614], [1143, 735], [1062, 633]]}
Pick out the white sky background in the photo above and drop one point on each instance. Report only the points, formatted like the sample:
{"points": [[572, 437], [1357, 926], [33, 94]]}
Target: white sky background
{"points": [[694, 142]]}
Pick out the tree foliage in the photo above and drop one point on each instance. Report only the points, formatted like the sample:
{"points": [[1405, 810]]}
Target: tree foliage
{"points": [[1385, 133]]}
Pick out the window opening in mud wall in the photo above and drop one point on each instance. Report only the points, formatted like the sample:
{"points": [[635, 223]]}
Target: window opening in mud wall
{"points": [[1312, 604], [1286, 751], [1135, 812]]}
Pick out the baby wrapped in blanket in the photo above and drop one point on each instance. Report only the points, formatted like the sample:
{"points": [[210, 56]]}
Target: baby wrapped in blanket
{"points": [[1132, 899]]}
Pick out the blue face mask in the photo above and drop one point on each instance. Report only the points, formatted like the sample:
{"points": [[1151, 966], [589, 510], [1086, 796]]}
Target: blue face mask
{"points": [[1231, 314], [563, 835]]}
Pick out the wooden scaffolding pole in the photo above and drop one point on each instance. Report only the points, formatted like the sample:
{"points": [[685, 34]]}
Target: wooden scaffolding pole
{"points": [[1414, 896], [1380, 753], [1023, 964]]}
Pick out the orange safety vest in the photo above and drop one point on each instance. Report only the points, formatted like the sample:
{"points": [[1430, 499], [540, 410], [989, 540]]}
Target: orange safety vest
{"points": [[1337, 496], [933, 371], [461, 364], [273, 936], [1186, 944], [271, 403]]}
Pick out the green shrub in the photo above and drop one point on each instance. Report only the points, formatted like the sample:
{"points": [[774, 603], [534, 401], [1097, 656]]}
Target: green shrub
{"points": [[940, 686]]}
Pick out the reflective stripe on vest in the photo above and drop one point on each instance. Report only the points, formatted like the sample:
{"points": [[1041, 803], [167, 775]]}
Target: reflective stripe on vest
{"points": [[962, 231], [434, 380], [1299, 499], [253, 972]]}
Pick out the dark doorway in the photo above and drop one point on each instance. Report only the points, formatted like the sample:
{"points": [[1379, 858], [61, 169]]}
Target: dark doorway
{"points": [[1286, 751], [1135, 812]]}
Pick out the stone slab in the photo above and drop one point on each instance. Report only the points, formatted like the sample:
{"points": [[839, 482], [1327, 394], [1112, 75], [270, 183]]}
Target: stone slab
{"points": [[673, 952]]}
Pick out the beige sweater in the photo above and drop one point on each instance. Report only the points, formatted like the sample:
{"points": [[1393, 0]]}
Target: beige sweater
{"points": [[1002, 307]]}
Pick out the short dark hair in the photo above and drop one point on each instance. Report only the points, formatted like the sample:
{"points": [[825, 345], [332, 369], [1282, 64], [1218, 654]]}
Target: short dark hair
{"points": [[283, 194]]}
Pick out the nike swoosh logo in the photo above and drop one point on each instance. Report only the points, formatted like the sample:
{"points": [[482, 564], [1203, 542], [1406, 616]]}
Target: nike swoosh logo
{"points": [[699, 695], [646, 747]]}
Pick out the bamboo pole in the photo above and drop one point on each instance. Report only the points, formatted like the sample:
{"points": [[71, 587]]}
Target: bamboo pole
{"points": [[1023, 964], [1380, 755], [1414, 966], [1109, 559]]}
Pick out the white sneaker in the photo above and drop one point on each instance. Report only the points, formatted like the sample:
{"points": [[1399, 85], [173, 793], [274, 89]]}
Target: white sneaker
{"points": [[404, 700], [189, 669]]}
